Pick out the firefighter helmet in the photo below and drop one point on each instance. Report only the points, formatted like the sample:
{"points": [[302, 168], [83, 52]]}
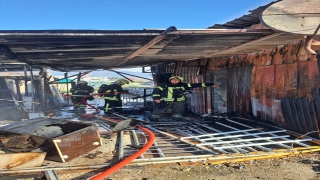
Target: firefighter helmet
{"points": [[176, 77], [82, 82], [121, 81]]}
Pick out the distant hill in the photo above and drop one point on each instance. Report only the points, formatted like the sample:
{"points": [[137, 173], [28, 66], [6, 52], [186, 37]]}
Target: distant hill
{"points": [[109, 74], [112, 74]]}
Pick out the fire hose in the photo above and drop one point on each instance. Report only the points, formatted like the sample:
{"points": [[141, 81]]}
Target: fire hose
{"points": [[127, 160]]}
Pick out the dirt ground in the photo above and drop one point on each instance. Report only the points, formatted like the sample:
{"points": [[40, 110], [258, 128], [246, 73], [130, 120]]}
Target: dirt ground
{"points": [[305, 167]]}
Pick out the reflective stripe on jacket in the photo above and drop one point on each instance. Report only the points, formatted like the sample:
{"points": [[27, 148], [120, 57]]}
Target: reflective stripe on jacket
{"points": [[175, 92], [112, 91]]}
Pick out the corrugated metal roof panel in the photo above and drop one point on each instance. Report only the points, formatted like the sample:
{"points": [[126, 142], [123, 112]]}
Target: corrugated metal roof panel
{"points": [[244, 21]]}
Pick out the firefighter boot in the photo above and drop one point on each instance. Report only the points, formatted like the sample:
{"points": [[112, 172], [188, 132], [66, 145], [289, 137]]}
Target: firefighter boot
{"points": [[154, 118], [177, 117]]}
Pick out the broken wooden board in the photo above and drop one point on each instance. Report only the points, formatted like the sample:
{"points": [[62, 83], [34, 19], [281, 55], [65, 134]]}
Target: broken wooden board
{"points": [[293, 16], [62, 140], [21, 160]]}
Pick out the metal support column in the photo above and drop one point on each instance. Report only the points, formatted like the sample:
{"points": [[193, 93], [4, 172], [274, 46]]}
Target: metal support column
{"points": [[120, 156], [26, 91], [43, 88], [66, 77], [16, 81], [32, 88], [79, 77]]}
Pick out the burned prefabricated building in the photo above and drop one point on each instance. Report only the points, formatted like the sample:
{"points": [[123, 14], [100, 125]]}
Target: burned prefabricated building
{"points": [[260, 71], [263, 74]]}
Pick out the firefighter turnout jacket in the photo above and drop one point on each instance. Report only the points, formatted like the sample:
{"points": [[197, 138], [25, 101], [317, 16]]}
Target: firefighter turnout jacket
{"points": [[112, 91], [81, 90], [175, 92]]}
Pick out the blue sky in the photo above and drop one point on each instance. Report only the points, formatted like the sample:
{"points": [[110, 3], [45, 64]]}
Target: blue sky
{"points": [[120, 14]]}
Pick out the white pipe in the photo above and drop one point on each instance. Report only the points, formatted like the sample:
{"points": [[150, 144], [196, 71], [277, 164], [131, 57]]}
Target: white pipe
{"points": [[241, 140], [221, 133], [260, 147], [237, 149], [161, 154], [167, 134], [120, 157], [242, 135], [266, 143], [172, 158], [221, 151], [301, 144], [283, 145]]}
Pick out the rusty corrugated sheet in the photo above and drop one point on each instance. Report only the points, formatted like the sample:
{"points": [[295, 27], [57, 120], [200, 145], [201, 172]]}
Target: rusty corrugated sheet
{"points": [[209, 95], [301, 115], [219, 95], [315, 106], [282, 86], [197, 102], [190, 72], [269, 85], [239, 83], [308, 78]]}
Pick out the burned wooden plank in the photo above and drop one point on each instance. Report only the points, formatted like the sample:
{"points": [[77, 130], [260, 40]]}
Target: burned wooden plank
{"points": [[21, 160], [62, 140], [239, 81]]}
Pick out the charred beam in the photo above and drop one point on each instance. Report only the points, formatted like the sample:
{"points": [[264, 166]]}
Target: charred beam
{"points": [[4, 50], [242, 45], [148, 45]]}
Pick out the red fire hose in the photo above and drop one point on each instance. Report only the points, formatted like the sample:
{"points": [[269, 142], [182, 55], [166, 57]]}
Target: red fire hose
{"points": [[126, 161]]}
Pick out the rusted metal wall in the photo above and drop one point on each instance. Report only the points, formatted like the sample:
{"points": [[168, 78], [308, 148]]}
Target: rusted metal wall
{"points": [[218, 96], [195, 98], [284, 86], [238, 97], [280, 85]]}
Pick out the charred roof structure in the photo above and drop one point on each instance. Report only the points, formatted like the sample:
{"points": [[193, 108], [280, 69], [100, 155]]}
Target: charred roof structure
{"points": [[67, 50]]}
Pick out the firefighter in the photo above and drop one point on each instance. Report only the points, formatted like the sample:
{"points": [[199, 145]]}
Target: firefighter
{"points": [[171, 95], [78, 92], [112, 97]]}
